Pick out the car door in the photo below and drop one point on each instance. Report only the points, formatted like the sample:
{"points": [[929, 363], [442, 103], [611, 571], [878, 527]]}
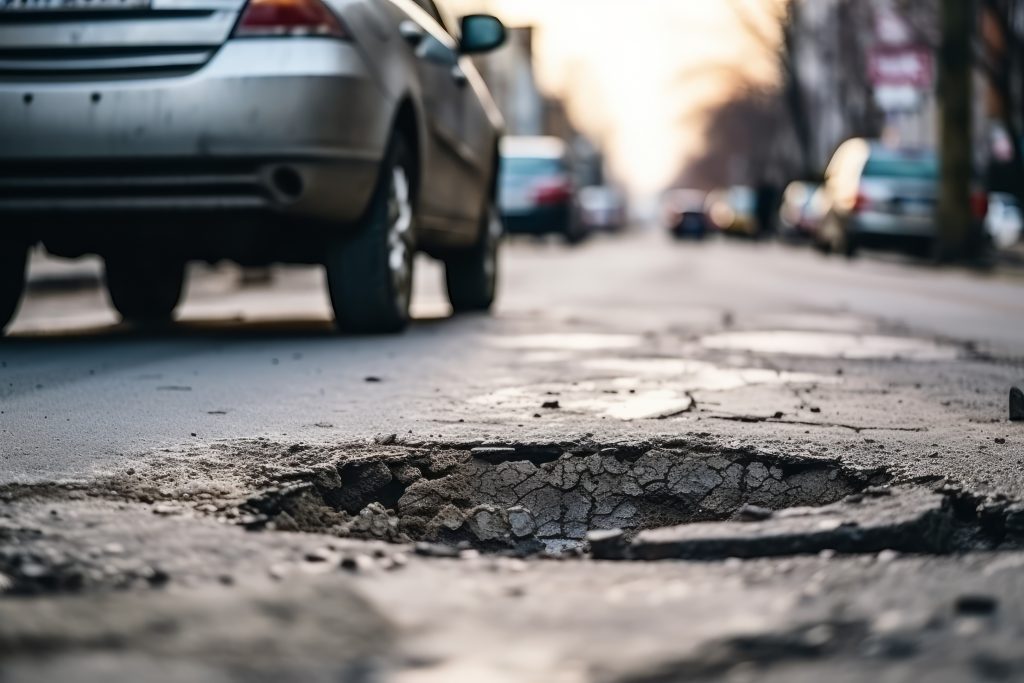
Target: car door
{"points": [[481, 123], [445, 89], [481, 120]]}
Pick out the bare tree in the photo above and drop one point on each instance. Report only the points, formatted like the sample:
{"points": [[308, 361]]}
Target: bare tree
{"points": [[957, 227], [798, 31], [738, 139], [1002, 59], [774, 26]]}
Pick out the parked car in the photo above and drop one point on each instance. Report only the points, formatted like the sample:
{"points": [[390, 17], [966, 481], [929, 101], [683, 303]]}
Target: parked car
{"points": [[537, 191], [802, 210], [347, 133], [881, 196], [1004, 223], [734, 210], [684, 214], [602, 209]]}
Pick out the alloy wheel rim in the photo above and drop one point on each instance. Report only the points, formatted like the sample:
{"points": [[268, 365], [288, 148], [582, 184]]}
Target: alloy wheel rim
{"points": [[494, 232], [400, 236]]}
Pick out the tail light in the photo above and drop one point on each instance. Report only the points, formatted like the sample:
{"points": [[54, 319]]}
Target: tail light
{"points": [[979, 205], [554, 192], [271, 18], [861, 203]]}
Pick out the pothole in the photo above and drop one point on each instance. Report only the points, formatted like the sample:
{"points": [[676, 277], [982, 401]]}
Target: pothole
{"points": [[674, 499], [531, 498]]}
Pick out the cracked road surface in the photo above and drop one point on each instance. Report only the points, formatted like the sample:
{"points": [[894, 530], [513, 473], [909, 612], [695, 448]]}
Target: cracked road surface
{"points": [[656, 462]]}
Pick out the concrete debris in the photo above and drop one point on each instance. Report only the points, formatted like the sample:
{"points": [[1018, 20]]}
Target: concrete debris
{"points": [[1016, 404], [489, 523], [976, 605], [358, 564], [450, 518], [754, 513], [375, 521], [913, 521], [1015, 520], [319, 555], [522, 522], [436, 550], [607, 545]]}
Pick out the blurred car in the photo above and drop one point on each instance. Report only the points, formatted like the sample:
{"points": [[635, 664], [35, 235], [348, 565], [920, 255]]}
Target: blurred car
{"points": [[602, 209], [537, 193], [1004, 223], [684, 214], [734, 210], [347, 133], [882, 196], [802, 210]]}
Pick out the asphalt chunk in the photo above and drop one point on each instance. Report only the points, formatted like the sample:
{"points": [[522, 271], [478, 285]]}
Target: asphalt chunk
{"points": [[1016, 405], [913, 521]]}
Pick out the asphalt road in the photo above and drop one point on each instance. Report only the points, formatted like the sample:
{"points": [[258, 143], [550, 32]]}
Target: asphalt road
{"points": [[237, 498], [78, 391]]}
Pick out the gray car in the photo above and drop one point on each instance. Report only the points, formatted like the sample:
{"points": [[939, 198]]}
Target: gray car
{"points": [[879, 196], [348, 133]]}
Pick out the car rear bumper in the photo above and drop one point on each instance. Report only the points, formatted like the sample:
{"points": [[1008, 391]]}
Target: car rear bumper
{"points": [[292, 126], [691, 223], [888, 225]]}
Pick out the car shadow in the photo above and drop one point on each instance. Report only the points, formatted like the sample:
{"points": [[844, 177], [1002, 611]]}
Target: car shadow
{"points": [[207, 330]]}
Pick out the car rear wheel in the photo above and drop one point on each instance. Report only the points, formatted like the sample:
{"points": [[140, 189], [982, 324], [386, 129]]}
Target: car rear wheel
{"points": [[369, 274], [472, 276], [835, 239], [13, 260], [574, 233], [144, 290]]}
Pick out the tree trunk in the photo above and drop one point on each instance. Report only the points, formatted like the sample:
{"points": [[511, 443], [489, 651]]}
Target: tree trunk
{"points": [[795, 98], [959, 233]]}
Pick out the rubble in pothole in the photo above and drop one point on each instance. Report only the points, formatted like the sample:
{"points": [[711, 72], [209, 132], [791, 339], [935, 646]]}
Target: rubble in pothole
{"points": [[530, 498], [908, 520]]}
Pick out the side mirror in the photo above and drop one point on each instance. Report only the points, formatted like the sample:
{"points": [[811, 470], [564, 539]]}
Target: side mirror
{"points": [[481, 33]]}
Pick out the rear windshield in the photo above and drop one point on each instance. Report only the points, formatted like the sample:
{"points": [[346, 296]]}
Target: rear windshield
{"points": [[742, 198], [532, 166], [924, 167]]}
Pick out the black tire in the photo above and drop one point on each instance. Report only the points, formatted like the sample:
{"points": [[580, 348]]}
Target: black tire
{"points": [[924, 248], [850, 247], [13, 262], [472, 275], [144, 290], [369, 273], [832, 238], [574, 235]]}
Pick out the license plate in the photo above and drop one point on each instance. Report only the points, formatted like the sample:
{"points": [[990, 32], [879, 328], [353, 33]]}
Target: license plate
{"points": [[70, 5], [516, 200], [915, 207]]}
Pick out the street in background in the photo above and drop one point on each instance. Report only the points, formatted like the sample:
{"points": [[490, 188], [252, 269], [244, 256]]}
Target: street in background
{"points": [[687, 448], [685, 214]]}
